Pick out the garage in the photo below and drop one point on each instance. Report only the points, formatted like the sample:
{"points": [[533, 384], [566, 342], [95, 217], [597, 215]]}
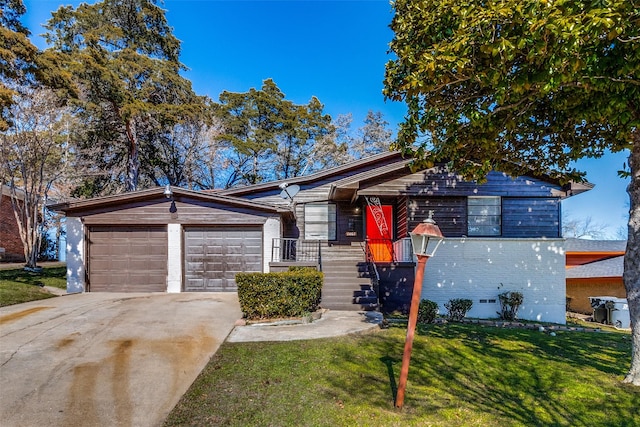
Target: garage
{"points": [[167, 239], [214, 255], [127, 259]]}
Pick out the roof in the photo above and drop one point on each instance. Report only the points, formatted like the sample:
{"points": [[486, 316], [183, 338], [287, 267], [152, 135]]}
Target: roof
{"points": [[612, 267], [371, 161], [595, 246], [5, 190], [152, 193], [369, 168]]}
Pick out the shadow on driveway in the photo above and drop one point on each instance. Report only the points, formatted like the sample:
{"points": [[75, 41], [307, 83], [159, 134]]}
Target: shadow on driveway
{"points": [[99, 359]]}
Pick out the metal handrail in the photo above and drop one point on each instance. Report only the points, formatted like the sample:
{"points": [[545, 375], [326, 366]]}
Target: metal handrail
{"points": [[295, 250]]}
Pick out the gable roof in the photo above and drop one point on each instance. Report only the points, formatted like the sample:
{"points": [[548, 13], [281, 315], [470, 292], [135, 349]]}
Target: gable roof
{"points": [[350, 176], [153, 193], [367, 163], [612, 267]]}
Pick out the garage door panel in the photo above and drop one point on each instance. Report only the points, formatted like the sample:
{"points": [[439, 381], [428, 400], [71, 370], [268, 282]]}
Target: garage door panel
{"points": [[213, 257], [128, 259]]}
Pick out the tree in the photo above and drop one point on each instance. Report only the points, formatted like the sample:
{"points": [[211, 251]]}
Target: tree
{"points": [[124, 63], [374, 137], [523, 86], [268, 137], [17, 55], [303, 146], [186, 155], [34, 155], [582, 228]]}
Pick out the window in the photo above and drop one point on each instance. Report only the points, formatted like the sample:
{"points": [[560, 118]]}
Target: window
{"points": [[320, 221], [484, 216]]}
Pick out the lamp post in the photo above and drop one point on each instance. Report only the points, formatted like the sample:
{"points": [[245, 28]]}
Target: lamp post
{"points": [[425, 239]]}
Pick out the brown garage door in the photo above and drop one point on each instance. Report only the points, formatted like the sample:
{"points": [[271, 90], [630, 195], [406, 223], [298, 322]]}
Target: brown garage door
{"points": [[213, 256], [128, 259]]}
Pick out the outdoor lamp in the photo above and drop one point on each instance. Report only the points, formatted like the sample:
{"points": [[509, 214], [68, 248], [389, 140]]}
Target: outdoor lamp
{"points": [[425, 239], [167, 191]]}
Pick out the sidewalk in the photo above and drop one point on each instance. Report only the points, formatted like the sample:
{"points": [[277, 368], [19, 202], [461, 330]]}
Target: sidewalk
{"points": [[331, 324]]}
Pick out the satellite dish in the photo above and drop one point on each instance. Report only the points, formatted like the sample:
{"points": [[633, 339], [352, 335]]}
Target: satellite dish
{"points": [[289, 191]]}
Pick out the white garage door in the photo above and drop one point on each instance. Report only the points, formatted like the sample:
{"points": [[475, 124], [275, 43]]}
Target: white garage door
{"points": [[213, 256]]}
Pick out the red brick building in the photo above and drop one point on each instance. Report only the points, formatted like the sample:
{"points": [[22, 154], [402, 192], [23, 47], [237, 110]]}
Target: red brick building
{"points": [[11, 248]]}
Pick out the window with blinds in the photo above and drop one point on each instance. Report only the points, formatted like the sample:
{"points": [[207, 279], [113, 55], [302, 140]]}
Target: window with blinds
{"points": [[484, 215], [320, 221]]}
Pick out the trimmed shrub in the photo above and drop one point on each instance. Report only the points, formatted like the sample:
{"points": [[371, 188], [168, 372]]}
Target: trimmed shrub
{"points": [[427, 311], [286, 294], [510, 302], [458, 308]]}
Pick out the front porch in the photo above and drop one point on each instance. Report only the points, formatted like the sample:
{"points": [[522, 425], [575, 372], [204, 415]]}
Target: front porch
{"points": [[375, 274]]}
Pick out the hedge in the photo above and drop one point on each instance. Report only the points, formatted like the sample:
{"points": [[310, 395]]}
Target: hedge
{"points": [[285, 294]]}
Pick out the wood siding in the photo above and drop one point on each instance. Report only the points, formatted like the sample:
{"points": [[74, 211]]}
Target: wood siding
{"points": [[530, 217], [402, 218], [438, 182], [579, 291], [187, 211], [349, 221], [450, 213], [521, 217], [530, 206]]}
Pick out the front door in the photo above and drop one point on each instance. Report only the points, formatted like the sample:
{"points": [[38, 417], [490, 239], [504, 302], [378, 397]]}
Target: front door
{"points": [[380, 232]]}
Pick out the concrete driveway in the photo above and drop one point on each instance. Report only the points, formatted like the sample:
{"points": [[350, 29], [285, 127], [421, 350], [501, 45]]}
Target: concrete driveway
{"points": [[103, 359]]}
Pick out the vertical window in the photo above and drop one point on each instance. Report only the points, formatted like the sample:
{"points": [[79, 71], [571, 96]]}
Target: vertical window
{"points": [[484, 216], [320, 221]]}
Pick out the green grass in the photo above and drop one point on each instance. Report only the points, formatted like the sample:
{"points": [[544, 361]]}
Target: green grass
{"points": [[460, 375], [18, 286]]}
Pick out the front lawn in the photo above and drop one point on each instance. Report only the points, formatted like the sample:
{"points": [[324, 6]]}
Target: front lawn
{"points": [[460, 375], [18, 286]]}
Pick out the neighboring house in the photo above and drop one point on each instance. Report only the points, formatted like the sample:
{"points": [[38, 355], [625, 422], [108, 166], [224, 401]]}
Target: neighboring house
{"points": [[352, 222], [594, 268], [11, 248]]}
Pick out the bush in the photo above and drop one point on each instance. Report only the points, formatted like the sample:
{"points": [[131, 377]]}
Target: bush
{"points": [[510, 302], [286, 294], [427, 311], [458, 308]]}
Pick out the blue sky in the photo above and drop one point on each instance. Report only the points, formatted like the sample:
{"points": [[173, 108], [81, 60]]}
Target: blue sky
{"points": [[334, 50]]}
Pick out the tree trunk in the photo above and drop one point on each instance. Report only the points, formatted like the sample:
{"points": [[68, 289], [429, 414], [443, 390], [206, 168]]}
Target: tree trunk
{"points": [[133, 165], [631, 275]]}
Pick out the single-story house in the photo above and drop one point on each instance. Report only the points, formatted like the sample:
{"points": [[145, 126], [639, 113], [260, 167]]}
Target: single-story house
{"points": [[594, 268], [352, 222], [11, 248]]}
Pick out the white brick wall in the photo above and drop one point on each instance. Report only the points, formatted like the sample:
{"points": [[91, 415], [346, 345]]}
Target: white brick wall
{"points": [[481, 268], [174, 258], [75, 255], [270, 231]]}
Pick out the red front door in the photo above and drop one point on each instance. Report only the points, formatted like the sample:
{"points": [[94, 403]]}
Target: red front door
{"points": [[380, 232]]}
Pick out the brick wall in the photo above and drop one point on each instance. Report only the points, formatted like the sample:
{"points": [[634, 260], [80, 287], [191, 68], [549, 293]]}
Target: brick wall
{"points": [[9, 235], [579, 290], [479, 269]]}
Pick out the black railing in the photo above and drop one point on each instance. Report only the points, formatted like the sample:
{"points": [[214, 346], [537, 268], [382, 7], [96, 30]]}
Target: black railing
{"points": [[290, 250]]}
